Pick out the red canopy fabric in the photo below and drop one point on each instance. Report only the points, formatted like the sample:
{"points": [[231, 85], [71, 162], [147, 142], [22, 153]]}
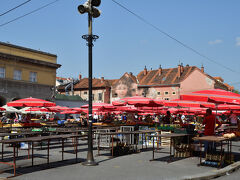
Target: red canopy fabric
{"points": [[183, 103], [77, 109], [227, 107], [70, 112], [58, 108], [127, 109], [2, 109], [137, 101], [100, 105], [31, 102], [216, 96], [38, 109], [217, 92]]}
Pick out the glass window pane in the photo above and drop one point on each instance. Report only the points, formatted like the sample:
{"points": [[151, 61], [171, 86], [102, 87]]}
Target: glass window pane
{"points": [[33, 77], [17, 75], [2, 72]]}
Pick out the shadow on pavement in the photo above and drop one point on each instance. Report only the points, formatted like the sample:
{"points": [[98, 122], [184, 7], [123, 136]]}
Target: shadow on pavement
{"points": [[41, 167]]}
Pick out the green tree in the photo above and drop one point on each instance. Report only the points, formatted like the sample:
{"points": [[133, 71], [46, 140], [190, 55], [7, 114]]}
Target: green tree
{"points": [[236, 91]]}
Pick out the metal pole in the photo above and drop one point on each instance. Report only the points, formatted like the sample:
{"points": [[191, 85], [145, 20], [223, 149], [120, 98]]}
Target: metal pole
{"points": [[90, 160]]}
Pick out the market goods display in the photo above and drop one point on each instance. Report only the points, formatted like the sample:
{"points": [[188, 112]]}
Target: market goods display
{"points": [[229, 135], [182, 151]]}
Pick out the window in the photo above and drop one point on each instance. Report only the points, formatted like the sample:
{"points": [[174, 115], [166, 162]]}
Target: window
{"points": [[85, 92], [2, 72], [33, 77], [173, 93], [17, 75], [100, 96], [166, 93], [93, 97], [159, 93], [166, 99]]}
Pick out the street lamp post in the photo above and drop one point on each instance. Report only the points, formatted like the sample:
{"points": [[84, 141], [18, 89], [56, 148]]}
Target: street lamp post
{"points": [[92, 13]]}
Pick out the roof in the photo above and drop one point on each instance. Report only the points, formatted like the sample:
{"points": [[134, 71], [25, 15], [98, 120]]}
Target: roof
{"points": [[26, 49], [219, 79], [112, 81], [168, 76], [96, 83], [28, 60]]}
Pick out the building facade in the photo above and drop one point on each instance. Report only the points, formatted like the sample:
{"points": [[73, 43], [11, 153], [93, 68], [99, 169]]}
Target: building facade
{"points": [[26, 73], [165, 84], [100, 91]]}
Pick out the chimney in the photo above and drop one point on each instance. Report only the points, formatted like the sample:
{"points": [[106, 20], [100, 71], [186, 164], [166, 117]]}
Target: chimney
{"points": [[79, 76], [145, 71], [160, 70], [202, 69], [102, 79], [182, 68], [179, 71]]}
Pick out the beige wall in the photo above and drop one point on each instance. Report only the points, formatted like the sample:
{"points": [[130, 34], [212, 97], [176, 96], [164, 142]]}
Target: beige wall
{"points": [[27, 54], [45, 75], [173, 93], [95, 92]]}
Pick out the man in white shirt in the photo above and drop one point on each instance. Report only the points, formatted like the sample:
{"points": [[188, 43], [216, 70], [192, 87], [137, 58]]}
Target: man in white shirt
{"points": [[95, 117]]}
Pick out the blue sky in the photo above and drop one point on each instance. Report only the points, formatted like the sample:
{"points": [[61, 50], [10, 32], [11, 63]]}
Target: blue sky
{"points": [[127, 44]]}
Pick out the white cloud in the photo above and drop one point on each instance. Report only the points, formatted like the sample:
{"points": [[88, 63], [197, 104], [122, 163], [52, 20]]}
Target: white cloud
{"points": [[217, 41], [237, 41]]}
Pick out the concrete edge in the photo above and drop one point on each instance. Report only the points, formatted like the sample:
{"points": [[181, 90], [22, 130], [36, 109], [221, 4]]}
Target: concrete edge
{"points": [[214, 173]]}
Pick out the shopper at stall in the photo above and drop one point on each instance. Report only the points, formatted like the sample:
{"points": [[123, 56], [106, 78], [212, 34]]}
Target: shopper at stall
{"points": [[210, 121], [233, 119], [95, 117], [168, 118], [3, 118]]}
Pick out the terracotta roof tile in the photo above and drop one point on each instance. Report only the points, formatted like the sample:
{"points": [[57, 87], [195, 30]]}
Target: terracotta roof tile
{"points": [[169, 76], [96, 83]]}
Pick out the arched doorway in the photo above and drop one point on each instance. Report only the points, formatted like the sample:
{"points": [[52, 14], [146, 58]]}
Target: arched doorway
{"points": [[2, 101]]}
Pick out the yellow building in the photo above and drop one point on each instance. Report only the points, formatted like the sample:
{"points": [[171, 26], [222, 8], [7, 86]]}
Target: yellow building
{"points": [[26, 72]]}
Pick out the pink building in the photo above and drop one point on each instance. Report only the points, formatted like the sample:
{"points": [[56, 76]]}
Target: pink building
{"points": [[166, 84]]}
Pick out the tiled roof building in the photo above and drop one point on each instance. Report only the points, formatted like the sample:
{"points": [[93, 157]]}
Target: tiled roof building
{"points": [[159, 83]]}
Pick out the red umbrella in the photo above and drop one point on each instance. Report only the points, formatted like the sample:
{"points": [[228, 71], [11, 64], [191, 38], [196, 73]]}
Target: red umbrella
{"points": [[182, 103], [77, 109], [137, 101], [229, 112], [216, 96], [31, 102], [127, 109], [59, 108], [217, 92], [2, 109], [38, 109], [228, 107], [70, 112], [100, 105]]}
